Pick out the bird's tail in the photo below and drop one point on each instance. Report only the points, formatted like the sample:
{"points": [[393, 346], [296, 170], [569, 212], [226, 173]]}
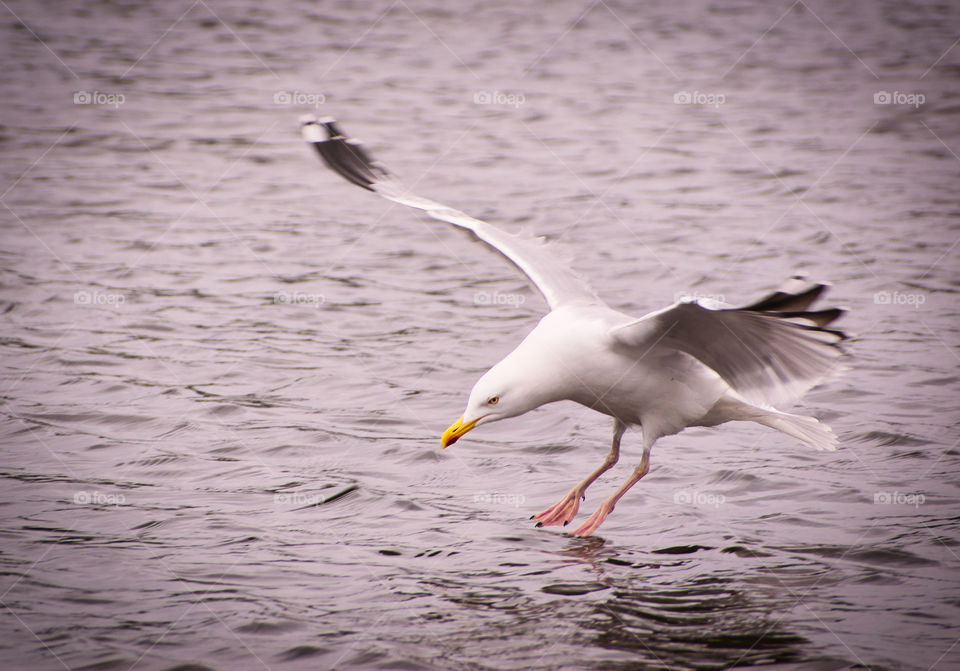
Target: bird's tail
{"points": [[806, 429]]}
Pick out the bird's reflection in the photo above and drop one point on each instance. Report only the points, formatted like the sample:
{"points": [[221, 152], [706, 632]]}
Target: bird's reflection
{"points": [[710, 619]]}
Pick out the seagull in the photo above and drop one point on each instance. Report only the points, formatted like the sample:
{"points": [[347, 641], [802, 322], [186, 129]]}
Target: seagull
{"points": [[694, 363]]}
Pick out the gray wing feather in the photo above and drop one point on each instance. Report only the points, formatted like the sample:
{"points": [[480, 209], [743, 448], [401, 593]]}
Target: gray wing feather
{"points": [[766, 355]]}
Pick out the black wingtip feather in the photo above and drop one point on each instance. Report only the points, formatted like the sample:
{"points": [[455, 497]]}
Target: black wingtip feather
{"points": [[795, 307], [782, 301], [347, 157], [819, 317]]}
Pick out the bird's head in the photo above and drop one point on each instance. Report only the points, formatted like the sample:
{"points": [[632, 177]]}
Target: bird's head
{"points": [[526, 379], [499, 394], [494, 396]]}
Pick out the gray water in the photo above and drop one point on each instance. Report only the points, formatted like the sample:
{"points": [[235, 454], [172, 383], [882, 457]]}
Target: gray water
{"points": [[226, 371]]}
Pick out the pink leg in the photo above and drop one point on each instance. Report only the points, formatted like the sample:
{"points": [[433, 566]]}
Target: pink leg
{"points": [[566, 509], [605, 508]]}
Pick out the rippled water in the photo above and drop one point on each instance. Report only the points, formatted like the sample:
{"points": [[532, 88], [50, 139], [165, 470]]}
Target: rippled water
{"points": [[226, 371]]}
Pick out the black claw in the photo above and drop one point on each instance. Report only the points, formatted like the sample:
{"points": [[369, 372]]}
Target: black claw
{"points": [[532, 516], [539, 524], [566, 523]]}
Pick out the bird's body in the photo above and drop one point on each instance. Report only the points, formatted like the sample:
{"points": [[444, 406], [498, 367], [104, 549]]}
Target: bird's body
{"points": [[571, 355], [685, 365]]}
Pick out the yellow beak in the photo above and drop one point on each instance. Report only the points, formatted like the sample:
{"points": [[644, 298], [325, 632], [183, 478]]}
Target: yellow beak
{"points": [[457, 429]]}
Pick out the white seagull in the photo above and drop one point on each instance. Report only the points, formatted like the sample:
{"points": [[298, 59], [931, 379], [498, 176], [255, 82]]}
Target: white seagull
{"points": [[688, 364]]}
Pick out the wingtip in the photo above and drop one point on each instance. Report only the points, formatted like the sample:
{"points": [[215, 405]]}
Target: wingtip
{"points": [[800, 283], [318, 129], [311, 129], [344, 155], [313, 118]]}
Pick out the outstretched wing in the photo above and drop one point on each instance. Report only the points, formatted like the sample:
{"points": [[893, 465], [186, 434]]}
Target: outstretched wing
{"points": [[558, 284], [769, 352]]}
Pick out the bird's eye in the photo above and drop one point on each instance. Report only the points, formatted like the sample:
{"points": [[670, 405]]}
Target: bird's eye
{"points": [[493, 400]]}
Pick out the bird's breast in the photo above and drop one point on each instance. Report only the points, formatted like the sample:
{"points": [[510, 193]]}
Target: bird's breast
{"points": [[667, 384]]}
